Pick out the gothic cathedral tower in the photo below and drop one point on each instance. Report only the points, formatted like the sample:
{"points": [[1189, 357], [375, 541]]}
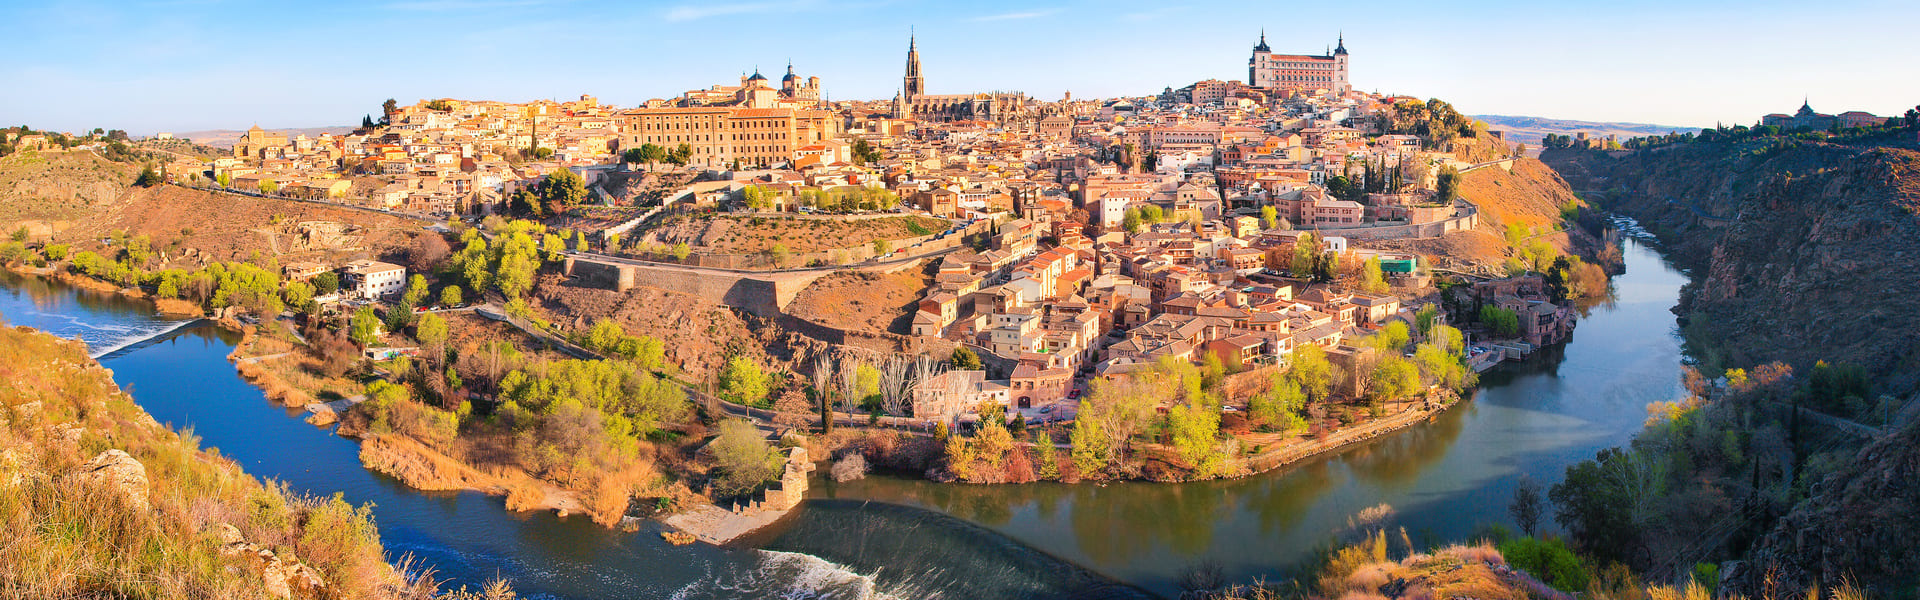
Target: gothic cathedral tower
{"points": [[913, 85]]}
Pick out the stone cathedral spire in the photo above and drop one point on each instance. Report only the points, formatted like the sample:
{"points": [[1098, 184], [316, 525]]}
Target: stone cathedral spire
{"points": [[912, 85]]}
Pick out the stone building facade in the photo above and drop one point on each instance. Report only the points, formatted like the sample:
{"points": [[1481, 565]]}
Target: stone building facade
{"points": [[1298, 72]]}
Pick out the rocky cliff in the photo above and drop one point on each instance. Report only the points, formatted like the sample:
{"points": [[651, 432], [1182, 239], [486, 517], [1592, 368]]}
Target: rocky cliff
{"points": [[1801, 253]]}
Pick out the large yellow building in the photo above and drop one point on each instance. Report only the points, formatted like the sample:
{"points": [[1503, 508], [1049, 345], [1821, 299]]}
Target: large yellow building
{"points": [[724, 136]]}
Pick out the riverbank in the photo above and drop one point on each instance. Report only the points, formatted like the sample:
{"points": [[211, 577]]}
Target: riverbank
{"points": [[197, 520], [1301, 448], [166, 306], [269, 363]]}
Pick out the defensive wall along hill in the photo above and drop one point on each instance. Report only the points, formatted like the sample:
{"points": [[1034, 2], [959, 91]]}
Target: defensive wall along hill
{"points": [[761, 294]]}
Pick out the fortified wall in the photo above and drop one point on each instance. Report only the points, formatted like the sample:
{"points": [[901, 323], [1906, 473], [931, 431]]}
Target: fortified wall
{"points": [[761, 295], [1465, 222]]}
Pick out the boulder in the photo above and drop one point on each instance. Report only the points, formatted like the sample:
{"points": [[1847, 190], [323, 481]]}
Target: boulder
{"points": [[115, 470], [224, 534]]}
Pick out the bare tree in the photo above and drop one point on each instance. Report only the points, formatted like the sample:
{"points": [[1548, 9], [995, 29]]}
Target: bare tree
{"points": [[901, 377], [850, 383], [791, 409], [429, 252], [1527, 505], [823, 379]]}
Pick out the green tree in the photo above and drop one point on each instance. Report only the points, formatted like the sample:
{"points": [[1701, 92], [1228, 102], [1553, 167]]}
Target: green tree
{"points": [[1392, 338], [1131, 222], [416, 290], [651, 154], [756, 197], [1280, 405], [431, 330], [1151, 214], [1598, 499], [365, 327], [681, 251], [862, 151], [1372, 280], [148, 177], [1550, 561], [515, 275], [743, 458], [1424, 318], [298, 294], [1446, 186], [1394, 378], [1195, 428], [450, 295], [965, 359], [741, 381], [1441, 367], [1049, 455], [1516, 233], [269, 186], [1502, 322], [681, 154], [400, 316], [326, 282], [1311, 371], [605, 336], [1306, 251], [1090, 449], [561, 190]]}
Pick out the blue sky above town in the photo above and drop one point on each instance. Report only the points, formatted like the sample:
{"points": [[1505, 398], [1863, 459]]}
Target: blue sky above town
{"points": [[179, 65]]}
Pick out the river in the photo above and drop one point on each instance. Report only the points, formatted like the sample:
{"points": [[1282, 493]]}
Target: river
{"points": [[1443, 478]]}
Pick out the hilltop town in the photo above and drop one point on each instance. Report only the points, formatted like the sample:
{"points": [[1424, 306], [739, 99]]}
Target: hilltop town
{"points": [[1211, 281]]}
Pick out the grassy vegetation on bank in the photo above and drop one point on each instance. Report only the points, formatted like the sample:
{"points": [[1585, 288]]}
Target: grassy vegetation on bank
{"points": [[164, 533]]}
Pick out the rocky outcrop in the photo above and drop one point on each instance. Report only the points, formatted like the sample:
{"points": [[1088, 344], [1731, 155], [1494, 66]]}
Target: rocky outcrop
{"points": [[1857, 523], [115, 470], [1800, 254], [281, 578]]}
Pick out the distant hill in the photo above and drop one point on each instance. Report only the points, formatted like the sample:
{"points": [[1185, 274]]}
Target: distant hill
{"points": [[1530, 130], [224, 138]]}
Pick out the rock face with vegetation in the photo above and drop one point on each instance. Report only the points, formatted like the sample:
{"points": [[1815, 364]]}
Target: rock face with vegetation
{"points": [[1802, 251]]}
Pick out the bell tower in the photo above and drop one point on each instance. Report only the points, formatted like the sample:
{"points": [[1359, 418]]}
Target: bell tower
{"points": [[912, 85]]}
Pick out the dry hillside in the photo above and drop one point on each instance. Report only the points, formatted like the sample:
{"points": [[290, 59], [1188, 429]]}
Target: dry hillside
{"points": [[748, 235], [699, 335], [208, 226], [80, 198], [1530, 195], [50, 191], [872, 302]]}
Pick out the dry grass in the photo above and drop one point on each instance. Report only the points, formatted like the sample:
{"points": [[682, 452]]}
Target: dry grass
{"points": [[1362, 570], [59, 539]]}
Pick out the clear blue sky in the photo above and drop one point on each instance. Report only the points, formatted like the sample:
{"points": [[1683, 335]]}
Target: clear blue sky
{"points": [[180, 65]]}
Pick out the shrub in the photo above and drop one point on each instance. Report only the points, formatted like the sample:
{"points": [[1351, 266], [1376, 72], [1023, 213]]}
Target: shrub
{"points": [[1548, 560]]}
